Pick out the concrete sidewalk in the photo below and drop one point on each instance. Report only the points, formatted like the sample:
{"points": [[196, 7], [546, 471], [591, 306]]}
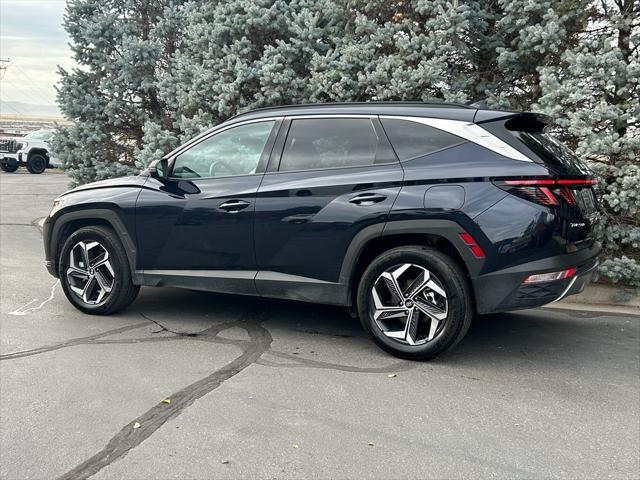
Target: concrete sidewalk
{"points": [[598, 297]]}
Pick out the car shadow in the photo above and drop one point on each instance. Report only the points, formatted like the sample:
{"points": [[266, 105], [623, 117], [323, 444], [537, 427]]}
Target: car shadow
{"points": [[541, 337]]}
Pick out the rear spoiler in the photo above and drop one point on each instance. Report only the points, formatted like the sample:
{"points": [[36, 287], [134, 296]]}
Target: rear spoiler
{"points": [[520, 121]]}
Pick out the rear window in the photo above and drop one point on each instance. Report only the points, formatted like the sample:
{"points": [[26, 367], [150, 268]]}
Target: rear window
{"points": [[552, 152], [412, 139]]}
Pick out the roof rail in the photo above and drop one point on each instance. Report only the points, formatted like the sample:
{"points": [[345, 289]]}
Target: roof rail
{"points": [[339, 104]]}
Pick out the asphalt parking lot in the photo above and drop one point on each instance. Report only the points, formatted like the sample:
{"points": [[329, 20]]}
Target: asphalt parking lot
{"points": [[256, 388]]}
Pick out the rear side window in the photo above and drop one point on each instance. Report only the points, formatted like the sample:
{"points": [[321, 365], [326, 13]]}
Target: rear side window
{"points": [[329, 143], [413, 139]]}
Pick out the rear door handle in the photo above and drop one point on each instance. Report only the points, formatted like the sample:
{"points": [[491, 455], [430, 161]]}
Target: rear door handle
{"points": [[233, 205], [365, 199]]}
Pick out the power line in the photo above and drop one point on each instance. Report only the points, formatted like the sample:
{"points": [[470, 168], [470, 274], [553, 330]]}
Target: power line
{"points": [[27, 87], [28, 94], [31, 83], [6, 104]]}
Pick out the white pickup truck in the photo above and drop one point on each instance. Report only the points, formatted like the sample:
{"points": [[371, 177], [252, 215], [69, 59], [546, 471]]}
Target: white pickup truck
{"points": [[31, 151]]}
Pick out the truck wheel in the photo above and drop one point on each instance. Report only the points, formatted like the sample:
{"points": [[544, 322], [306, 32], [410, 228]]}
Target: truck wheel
{"points": [[415, 302], [37, 163], [94, 271], [8, 168]]}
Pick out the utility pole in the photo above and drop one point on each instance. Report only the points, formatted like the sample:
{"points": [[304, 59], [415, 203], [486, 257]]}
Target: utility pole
{"points": [[3, 67]]}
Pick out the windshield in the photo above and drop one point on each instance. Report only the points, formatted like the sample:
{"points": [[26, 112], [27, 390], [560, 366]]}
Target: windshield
{"points": [[40, 135]]}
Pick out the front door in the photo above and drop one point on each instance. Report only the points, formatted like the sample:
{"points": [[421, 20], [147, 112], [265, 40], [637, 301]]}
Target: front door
{"points": [[195, 229]]}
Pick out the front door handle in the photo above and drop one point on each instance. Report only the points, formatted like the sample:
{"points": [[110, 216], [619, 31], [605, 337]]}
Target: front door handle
{"points": [[233, 206], [366, 199]]}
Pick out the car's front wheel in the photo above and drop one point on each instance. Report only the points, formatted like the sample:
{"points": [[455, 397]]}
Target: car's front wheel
{"points": [[9, 168], [94, 271], [415, 302]]}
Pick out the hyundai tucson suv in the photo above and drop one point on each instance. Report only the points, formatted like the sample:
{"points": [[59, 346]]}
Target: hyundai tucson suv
{"points": [[416, 216]]}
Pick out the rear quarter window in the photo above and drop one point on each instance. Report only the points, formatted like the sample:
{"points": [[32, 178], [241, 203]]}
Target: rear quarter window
{"points": [[552, 152], [412, 139]]}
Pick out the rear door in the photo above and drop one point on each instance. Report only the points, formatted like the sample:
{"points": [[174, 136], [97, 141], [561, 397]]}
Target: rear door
{"points": [[329, 178]]}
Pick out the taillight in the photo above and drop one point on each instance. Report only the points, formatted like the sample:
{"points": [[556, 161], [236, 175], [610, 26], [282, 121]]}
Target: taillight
{"points": [[545, 191]]}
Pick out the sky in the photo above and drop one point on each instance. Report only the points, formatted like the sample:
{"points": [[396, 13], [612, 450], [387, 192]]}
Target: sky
{"points": [[31, 35]]}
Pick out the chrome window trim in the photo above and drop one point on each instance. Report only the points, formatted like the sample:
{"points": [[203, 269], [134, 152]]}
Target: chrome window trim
{"points": [[222, 127], [468, 131], [332, 115]]}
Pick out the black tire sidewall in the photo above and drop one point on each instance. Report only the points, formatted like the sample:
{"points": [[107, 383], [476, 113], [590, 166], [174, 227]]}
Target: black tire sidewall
{"points": [[454, 283], [122, 276], [36, 158], [8, 168]]}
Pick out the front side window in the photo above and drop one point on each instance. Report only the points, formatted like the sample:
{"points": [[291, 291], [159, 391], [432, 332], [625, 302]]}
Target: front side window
{"points": [[412, 139], [235, 151], [329, 143]]}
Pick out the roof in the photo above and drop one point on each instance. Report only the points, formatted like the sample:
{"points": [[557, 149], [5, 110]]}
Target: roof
{"points": [[451, 111]]}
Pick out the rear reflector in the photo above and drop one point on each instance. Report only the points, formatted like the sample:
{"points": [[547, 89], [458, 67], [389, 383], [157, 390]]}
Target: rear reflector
{"points": [[470, 242], [551, 276]]}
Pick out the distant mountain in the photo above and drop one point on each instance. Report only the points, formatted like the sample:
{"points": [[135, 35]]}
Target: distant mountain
{"points": [[19, 109]]}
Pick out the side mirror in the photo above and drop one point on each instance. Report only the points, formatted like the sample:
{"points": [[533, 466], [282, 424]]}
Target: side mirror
{"points": [[158, 169]]}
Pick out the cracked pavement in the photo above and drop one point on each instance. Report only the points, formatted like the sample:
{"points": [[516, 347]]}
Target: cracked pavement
{"points": [[262, 389]]}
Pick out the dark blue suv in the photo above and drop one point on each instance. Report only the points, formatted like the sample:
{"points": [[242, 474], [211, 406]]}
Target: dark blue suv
{"points": [[416, 216]]}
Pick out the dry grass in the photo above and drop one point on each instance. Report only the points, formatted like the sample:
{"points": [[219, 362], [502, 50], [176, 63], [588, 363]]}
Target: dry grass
{"points": [[33, 119]]}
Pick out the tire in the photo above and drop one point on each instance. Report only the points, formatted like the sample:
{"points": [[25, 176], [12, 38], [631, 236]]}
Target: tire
{"points": [[116, 274], [37, 163], [424, 274], [8, 168]]}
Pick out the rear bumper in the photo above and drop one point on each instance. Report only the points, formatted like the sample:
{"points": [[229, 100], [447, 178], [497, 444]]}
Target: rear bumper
{"points": [[503, 290]]}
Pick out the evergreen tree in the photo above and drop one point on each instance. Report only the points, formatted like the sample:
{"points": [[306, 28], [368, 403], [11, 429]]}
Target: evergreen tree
{"points": [[122, 48], [593, 93]]}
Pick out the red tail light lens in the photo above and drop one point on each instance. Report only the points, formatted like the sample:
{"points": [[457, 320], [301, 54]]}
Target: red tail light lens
{"points": [[545, 191]]}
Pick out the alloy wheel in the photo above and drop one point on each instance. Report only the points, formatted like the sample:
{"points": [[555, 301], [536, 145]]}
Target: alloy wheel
{"points": [[409, 304], [90, 274]]}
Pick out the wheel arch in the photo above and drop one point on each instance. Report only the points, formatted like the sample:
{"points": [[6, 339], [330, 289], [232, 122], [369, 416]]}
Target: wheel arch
{"points": [[38, 150], [371, 242], [69, 222]]}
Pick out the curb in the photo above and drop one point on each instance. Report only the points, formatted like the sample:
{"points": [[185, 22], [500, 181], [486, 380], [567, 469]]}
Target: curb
{"points": [[601, 298]]}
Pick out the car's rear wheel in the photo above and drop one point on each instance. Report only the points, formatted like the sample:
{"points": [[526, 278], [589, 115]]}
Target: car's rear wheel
{"points": [[415, 302], [9, 168], [37, 163], [94, 271]]}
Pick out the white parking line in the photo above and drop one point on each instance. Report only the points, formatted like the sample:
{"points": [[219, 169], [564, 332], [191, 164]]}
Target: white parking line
{"points": [[23, 310]]}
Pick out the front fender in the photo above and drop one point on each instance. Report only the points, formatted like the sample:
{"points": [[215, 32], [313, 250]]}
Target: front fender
{"points": [[118, 215]]}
